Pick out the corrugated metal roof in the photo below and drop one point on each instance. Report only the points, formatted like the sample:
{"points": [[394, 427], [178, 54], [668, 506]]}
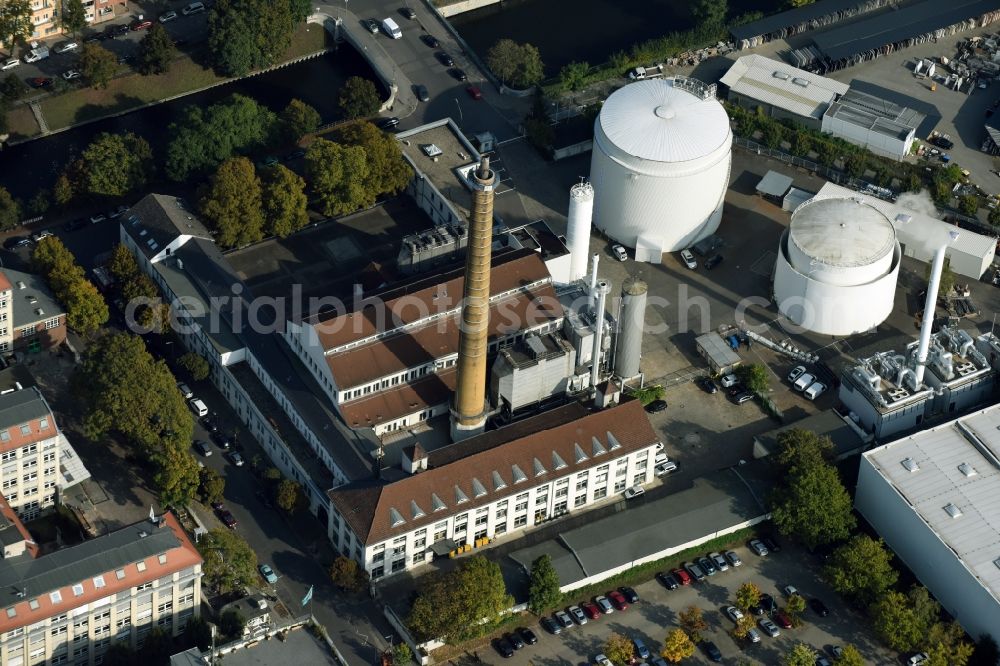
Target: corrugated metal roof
{"points": [[655, 120], [938, 482], [779, 85], [776, 22]]}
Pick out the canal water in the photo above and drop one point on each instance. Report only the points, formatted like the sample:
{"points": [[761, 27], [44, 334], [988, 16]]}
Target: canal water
{"points": [[582, 30], [33, 164]]}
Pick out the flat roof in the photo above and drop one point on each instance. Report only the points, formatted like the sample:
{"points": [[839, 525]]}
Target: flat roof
{"points": [[781, 85], [300, 646], [954, 466], [718, 349], [774, 184], [904, 23], [795, 16], [846, 439], [443, 169], [876, 114]]}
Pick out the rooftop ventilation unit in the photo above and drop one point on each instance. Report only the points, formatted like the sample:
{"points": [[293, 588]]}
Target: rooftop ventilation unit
{"points": [[966, 469], [780, 75], [21, 285], [910, 464], [952, 510], [897, 394]]}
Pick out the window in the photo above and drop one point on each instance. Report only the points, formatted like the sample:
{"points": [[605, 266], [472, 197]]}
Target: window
{"points": [[521, 506], [98, 582], [30, 476], [27, 332], [49, 457], [8, 455], [601, 493], [141, 566], [163, 608], [43, 423], [144, 586], [581, 484], [483, 519], [25, 429], [580, 500], [60, 630], [55, 597], [378, 572], [120, 574], [77, 589], [620, 485], [52, 323], [638, 478], [521, 520], [562, 492]]}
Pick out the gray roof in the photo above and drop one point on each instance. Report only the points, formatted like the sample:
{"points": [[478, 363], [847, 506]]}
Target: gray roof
{"points": [[904, 23], [158, 219], [77, 563], [875, 114], [33, 302], [717, 502], [782, 86], [22, 406], [776, 22], [297, 647], [774, 184], [846, 440]]}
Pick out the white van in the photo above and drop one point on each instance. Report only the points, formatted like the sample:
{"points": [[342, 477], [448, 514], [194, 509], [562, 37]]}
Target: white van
{"points": [[198, 407], [193, 8], [392, 29]]}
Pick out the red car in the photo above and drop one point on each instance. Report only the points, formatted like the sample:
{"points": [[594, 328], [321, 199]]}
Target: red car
{"points": [[783, 620], [618, 600], [591, 609], [142, 25], [474, 92], [683, 576], [228, 519]]}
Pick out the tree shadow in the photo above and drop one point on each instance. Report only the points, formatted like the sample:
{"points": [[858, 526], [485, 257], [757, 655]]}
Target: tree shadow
{"points": [[119, 104]]}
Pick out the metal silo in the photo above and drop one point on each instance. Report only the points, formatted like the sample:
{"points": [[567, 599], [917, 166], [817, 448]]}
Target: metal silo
{"points": [[581, 208], [630, 328]]}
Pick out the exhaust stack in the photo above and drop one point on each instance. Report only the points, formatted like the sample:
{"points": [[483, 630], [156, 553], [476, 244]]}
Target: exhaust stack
{"points": [[930, 305], [595, 358]]}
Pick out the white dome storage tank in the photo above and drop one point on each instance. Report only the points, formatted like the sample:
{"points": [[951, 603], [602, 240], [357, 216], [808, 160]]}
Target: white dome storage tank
{"points": [[837, 267], [660, 166]]}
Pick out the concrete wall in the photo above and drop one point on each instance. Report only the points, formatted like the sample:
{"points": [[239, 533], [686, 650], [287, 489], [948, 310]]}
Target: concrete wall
{"points": [[931, 560], [876, 142], [466, 6]]}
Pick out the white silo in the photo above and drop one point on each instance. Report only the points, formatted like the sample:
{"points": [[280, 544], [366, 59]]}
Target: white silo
{"points": [[660, 166], [631, 323], [581, 209], [837, 267]]}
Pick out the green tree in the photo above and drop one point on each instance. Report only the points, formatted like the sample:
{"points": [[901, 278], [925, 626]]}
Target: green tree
{"points": [[755, 377], [52, 259], [692, 621], [401, 654], [677, 646], [747, 596], [388, 172], [62, 190], [211, 486], [73, 17], [802, 448], [231, 624], [337, 174], [114, 165], [359, 98], [811, 503], [195, 365], [743, 626], [119, 654], [896, 622], [86, 309], [122, 264], [198, 632], [619, 649], [157, 648], [543, 592], [795, 606], [244, 35], [712, 12], [204, 138], [994, 217], [156, 50], [573, 76], [945, 645], [288, 495], [517, 64], [800, 655], [10, 211], [861, 569], [230, 563], [98, 65], [850, 657], [40, 202], [969, 205], [284, 201], [15, 22], [298, 119], [13, 88], [232, 204], [348, 576]]}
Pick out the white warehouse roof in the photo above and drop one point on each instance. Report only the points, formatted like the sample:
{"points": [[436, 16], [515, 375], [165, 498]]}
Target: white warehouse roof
{"points": [[660, 121], [954, 486], [783, 86]]}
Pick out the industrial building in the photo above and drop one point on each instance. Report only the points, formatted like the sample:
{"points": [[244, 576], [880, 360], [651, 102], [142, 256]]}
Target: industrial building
{"points": [[934, 497], [919, 233], [781, 90], [837, 266], [800, 19], [874, 123], [471, 492], [660, 165]]}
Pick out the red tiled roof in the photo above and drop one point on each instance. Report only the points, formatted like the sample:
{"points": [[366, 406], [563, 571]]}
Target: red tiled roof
{"points": [[367, 506]]}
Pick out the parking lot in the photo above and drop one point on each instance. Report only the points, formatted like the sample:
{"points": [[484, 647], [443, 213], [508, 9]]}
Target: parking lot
{"points": [[657, 611]]}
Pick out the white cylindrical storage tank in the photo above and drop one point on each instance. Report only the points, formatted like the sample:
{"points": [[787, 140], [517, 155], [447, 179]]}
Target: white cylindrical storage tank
{"points": [[630, 328], [837, 267], [581, 210], [660, 166]]}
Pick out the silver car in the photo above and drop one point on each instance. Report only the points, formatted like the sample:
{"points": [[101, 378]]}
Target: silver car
{"points": [[604, 604], [769, 628], [758, 547], [753, 635], [719, 561], [733, 558], [577, 614]]}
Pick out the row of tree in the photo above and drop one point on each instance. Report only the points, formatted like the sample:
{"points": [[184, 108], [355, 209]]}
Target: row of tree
{"points": [[244, 35], [86, 310]]}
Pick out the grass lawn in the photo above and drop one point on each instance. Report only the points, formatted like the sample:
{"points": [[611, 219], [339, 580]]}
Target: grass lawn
{"points": [[134, 90], [21, 123]]}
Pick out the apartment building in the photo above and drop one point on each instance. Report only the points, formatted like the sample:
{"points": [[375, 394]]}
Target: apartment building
{"points": [[46, 21], [69, 606], [30, 317], [492, 485]]}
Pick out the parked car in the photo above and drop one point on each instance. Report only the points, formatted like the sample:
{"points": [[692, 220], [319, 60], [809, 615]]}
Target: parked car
{"points": [[218, 506], [551, 626], [728, 381], [631, 596], [689, 259], [819, 607], [503, 646], [765, 605], [71, 74], [918, 658], [822, 661], [604, 604], [577, 614], [430, 40], [815, 390], [789, 590], [803, 382], [117, 211], [371, 25], [268, 573], [602, 660], [458, 74], [202, 447], [656, 406], [942, 142], [783, 620], [619, 252], [634, 491], [713, 261], [564, 619], [514, 640], [228, 519], [209, 424], [221, 439], [294, 155], [796, 372], [733, 558], [474, 92], [668, 580], [166, 17], [141, 25], [66, 47], [10, 64], [40, 82], [40, 236], [618, 600], [408, 13], [641, 650], [236, 458], [742, 396], [753, 635], [421, 93], [185, 390], [15, 242], [387, 123], [712, 650], [591, 610], [665, 468], [771, 544], [707, 385], [758, 547], [527, 635], [734, 613], [695, 571], [707, 566], [682, 576], [719, 561], [768, 627]]}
